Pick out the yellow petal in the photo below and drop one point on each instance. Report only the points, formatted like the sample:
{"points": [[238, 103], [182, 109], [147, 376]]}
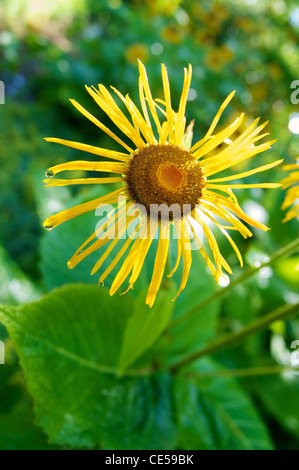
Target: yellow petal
{"points": [[214, 122], [228, 217], [222, 229], [220, 200], [246, 173], [169, 111], [61, 182], [138, 121], [203, 252], [237, 156], [186, 254], [160, 261], [91, 149], [101, 125], [102, 231], [110, 167], [219, 138], [180, 123], [151, 103], [103, 98], [291, 166], [68, 214], [243, 186], [142, 249], [121, 232], [178, 258]]}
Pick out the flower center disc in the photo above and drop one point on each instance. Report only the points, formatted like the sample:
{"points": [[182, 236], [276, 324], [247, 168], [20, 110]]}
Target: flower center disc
{"points": [[170, 177], [165, 174]]}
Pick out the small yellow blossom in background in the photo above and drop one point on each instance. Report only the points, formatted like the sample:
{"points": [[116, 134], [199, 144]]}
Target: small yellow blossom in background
{"points": [[245, 24], [136, 51], [205, 36], [163, 7], [220, 11], [218, 57], [160, 169], [275, 71], [209, 22], [292, 195], [215, 17], [259, 90], [212, 16], [172, 34]]}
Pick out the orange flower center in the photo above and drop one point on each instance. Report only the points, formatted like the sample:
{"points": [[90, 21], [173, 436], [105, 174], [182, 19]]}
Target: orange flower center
{"points": [[165, 174], [170, 177]]}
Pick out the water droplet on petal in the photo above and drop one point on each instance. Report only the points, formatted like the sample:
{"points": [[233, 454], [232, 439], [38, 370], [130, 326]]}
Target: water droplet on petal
{"points": [[48, 227], [49, 174]]}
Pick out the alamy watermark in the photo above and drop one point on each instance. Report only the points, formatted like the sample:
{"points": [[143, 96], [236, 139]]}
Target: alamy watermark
{"points": [[131, 220], [2, 92], [2, 353], [295, 94], [295, 354]]}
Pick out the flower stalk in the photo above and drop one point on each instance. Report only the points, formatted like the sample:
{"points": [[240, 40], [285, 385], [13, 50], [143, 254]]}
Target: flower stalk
{"points": [[230, 339], [249, 372], [287, 250]]}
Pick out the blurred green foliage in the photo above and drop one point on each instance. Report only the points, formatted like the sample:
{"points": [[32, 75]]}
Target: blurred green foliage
{"points": [[48, 51]]}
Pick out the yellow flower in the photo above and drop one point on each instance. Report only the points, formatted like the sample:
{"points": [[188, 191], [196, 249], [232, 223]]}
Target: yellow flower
{"points": [[292, 194], [275, 71], [172, 34], [259, 91], [245, 24], [136, 51], [220, 11], [218, 57], [160, 170], [215, 16], [163, 7], [205, 36]]}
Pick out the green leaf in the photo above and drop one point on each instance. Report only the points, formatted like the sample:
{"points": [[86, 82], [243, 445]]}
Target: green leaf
{"points": [[287, 269], [15, 287], [233, 305], [279, 395], [59, 245], [69, 345], [17, 431], [201, 327], [215, 413], [12, 385], [146, 325]]}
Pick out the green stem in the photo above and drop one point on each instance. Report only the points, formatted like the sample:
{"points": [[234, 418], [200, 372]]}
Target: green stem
{"points": [[232, 338], [286, 250], [254, 371]]}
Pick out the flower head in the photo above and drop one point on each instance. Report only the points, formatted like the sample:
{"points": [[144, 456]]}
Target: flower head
{"points": [[292, 195], [160, 170]]}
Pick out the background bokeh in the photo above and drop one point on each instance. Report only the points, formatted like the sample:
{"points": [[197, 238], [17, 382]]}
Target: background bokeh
{"points": [[48, 52]]}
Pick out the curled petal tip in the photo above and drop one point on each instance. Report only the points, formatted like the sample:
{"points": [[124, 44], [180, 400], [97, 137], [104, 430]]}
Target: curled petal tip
{"points": [[70, 264]]}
